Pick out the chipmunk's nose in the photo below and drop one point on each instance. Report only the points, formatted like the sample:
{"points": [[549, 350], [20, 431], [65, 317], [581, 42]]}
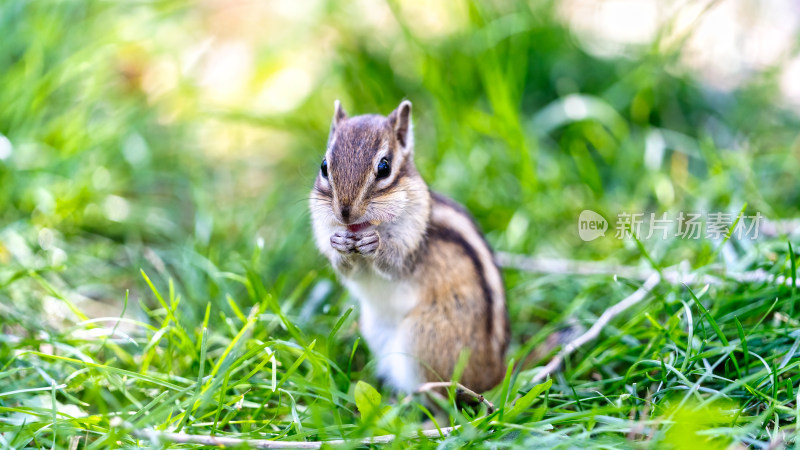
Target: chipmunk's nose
{"points": [[348, 212], [345, 211]]}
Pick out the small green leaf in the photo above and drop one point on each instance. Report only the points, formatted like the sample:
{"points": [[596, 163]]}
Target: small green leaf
{"points": [[716, 328], [708, 316], [793, 278], [504, 391], [368, 401], [339, 324], [527, 400], [743, 340], [537, 414]]}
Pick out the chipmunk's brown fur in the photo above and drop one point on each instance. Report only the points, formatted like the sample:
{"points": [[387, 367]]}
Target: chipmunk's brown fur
{"points": [[416, 261]]}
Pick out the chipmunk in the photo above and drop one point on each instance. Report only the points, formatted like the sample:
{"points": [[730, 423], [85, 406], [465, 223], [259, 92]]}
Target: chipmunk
{"points": [[424, 275]]}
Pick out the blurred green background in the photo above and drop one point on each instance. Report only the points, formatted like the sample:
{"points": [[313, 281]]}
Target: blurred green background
{"points": [[183, 137]]}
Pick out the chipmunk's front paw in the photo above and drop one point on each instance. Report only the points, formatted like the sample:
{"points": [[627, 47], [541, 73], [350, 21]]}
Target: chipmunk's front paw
{"points": [[367, 243], [343, 241]]}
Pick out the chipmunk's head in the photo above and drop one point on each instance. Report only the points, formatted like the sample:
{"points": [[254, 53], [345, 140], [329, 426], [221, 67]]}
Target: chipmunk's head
{"points": [[367, 175]]}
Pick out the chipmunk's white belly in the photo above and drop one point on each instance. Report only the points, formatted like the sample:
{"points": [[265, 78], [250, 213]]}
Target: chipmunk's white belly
{"points": [[384, 305]]}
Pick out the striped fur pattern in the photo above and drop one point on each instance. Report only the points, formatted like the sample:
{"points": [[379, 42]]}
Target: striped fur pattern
{"points": [[418, 264]]}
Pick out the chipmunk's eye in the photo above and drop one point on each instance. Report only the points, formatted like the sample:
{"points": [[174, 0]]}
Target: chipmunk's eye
{"points": [[384, 169], [324, 168]]}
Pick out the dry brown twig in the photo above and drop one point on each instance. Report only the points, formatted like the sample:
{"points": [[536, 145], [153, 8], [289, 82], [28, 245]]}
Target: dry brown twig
{"points": [[74, 441], [155, 436], [463, 391], [680, 274], [636, 297], [221, 441]]}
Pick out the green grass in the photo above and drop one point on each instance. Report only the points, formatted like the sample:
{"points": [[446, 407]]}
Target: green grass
{"points": [[134, 191]]}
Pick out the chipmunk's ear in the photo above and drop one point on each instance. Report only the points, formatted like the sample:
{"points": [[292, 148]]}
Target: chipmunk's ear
{"points": [[338, 115], [400, 119]]}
